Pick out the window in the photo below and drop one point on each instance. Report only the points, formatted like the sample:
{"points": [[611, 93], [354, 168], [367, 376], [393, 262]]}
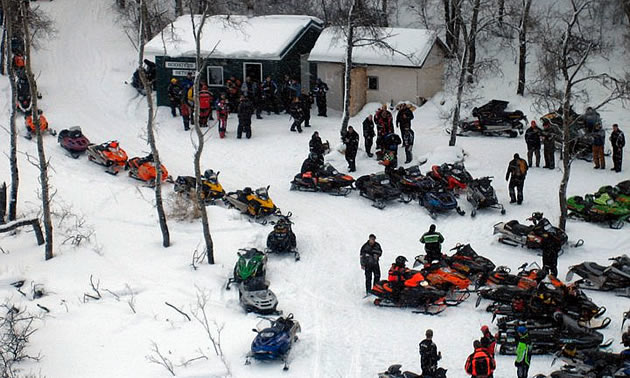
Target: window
{"points": [[215, 76], [373, 83], [253, 70]]}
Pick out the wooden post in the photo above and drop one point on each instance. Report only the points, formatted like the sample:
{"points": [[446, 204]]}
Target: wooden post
{"points": [[3, 202]]}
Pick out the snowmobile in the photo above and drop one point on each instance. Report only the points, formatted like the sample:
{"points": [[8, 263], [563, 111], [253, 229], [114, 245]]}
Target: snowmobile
{"points": [[378, 188], [416, 293], [438, 199], [257, 204], [255, 296], [329, 180], [481, 195], [515, 234], [211, 189], [440, 275], [581, 140], [251, 263], [615, 277], [454, 176], [548, 337], [108, 154], [395, 372], [282, 238], [589, 363], [493, 120], [23, 95], [524, 279], [466, 261], [599, 207], [274, 342], [618, 193], [73, 141], [144, 169], [410, 181]]}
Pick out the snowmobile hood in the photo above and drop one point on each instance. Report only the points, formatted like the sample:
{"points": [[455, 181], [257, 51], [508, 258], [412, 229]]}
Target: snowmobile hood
{"points": [[249, 264]]}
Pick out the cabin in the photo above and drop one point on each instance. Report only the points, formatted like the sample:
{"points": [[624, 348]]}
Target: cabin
{"points": [[409, 68]]}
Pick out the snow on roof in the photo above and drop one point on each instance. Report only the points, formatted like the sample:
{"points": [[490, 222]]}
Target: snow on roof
{"points": [[263, 37], [410, 47]]}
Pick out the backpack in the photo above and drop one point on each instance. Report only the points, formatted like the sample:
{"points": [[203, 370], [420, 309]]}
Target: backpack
{"points": [[522, 167]]}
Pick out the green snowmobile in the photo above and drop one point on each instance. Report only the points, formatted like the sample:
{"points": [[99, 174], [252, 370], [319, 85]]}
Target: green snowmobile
{"points": [[620, 193], [251, 263], [599, 207]]}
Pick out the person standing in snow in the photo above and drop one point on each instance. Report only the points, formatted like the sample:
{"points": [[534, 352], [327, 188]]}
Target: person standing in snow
{"points": [[351, 140], [479, 364], [370, 254], [432, 241], [384, 126], [523, 352], [403, 121], [532, 139], [550, 250], [184, 110], [223, 111], [297, 112], [549, 145], [306, 99], [516, 173], [320, 90], [269, 93], [187, 83], [488, 340], [599, 139], [316, 146], [618, 141], [429, 355], [174, 95], [205, 106], [368, 134], [245, 111]]}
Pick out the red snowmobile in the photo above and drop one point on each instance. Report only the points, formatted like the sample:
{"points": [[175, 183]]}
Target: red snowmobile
{"points": [[144, 169], [415, 293], [108, 154], [73, 141]]}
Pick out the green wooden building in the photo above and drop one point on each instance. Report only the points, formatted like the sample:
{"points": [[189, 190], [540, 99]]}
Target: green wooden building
{"points": [[236, 46]]}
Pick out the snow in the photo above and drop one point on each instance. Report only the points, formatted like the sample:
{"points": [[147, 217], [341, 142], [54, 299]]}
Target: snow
{"points": [[261, 37], [81, 74], [406, 47]]}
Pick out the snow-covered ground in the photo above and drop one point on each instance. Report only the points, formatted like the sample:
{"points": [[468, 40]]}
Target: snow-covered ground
{"points": [[81, 75]]}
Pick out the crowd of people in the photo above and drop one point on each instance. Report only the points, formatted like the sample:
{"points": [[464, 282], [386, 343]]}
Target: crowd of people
{"points": [[246, 99]]}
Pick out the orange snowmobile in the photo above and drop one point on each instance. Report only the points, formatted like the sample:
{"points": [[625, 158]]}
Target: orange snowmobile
{"points": [[108, 154], [144, 169]]}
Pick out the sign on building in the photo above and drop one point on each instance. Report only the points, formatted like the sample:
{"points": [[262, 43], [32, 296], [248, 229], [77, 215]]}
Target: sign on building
{"points": [[180, 65], [182, 72]]}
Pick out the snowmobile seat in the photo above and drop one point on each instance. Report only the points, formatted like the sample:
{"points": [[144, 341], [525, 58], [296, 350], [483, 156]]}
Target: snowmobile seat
{"points": [[595, 267], [624, 187], [517, 228]]}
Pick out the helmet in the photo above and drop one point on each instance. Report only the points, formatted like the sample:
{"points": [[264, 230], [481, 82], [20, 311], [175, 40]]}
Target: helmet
{"points": [[401, 260], [521, 330], [537, 215], [485, 329], [173, 81], [113, 144], [570, 350]]}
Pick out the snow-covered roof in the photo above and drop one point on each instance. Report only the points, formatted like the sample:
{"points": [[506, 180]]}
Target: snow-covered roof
{"points": [[409, 47], [262, 37]]}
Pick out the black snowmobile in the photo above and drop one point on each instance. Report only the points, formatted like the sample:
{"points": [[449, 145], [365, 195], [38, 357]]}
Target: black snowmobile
{"points": [[437, 198], [466, 261], [410, 181], [329, 180], [379, 188], [23, 95], [581, 139], [494, 120], [282, 238], [395, 372], [615, 277], [516, 234], [548, 338], [481, 195]]}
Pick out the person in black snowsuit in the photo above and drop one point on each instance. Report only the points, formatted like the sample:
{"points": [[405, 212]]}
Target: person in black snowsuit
{"points": [[245, 111], [306, 99], [549, 145], [297, 112], [269, 93], [532, 139], [316, 146], [618, 141], [251, 89], [320, 90], [174, 95], [550, 250], [351, 140], [368, 134], [516, 173], [432, 241], [370, 254], [429, 355], [403, 121]]}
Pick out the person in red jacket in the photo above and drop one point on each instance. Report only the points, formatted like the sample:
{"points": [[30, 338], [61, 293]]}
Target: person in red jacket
{"points": [[223, 111], [43, 122], [397, 276], [184, 111], [479, 364], [205, 106], [488, 340], [384, 125]]}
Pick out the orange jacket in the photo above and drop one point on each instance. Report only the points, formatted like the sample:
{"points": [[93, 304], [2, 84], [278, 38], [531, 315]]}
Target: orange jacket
{"points": [[18, 61], [480, 364], [397, 273], [43, 123]]}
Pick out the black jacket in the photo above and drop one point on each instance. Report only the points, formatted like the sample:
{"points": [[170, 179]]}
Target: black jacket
{"points": [[404, 117], [617, 140], [370, 254], [351, 140], [429, 356], [316, 145], [296, 111], [517, 169], [532, 138], [245, 109], [549, 139], [174, 92], [368, 128], [312, 166]]}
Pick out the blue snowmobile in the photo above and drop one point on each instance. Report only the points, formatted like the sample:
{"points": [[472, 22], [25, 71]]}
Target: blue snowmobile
{"points": [[274, 343]]}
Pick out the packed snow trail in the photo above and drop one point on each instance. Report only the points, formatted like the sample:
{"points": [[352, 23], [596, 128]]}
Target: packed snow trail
{"points": [[81, 75]]}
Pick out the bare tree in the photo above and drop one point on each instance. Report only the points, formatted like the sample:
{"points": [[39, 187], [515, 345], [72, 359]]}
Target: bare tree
{"points": [[43, 163], [142, 39], [568, 50], [522, 46]]}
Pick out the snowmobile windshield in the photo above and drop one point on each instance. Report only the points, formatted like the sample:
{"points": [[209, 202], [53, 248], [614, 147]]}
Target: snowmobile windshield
{"points": [[330, 170], [262, 194]]}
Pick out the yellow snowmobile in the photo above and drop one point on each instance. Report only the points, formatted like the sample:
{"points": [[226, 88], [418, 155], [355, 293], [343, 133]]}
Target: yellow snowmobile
{"points": [[257, 204], [211, 189]]}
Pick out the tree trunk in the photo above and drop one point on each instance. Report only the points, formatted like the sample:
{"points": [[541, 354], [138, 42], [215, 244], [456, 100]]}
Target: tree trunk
{"points": [[200, 142], [448, 23], [13, 160], [179, 8], [166, 239], [472, 47], [456, 22], [385, 22], [460, 90], [566, 154], [626, 9], [146, 22], [348, 71], [501, 12], [43, 163], [522, 51]]}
